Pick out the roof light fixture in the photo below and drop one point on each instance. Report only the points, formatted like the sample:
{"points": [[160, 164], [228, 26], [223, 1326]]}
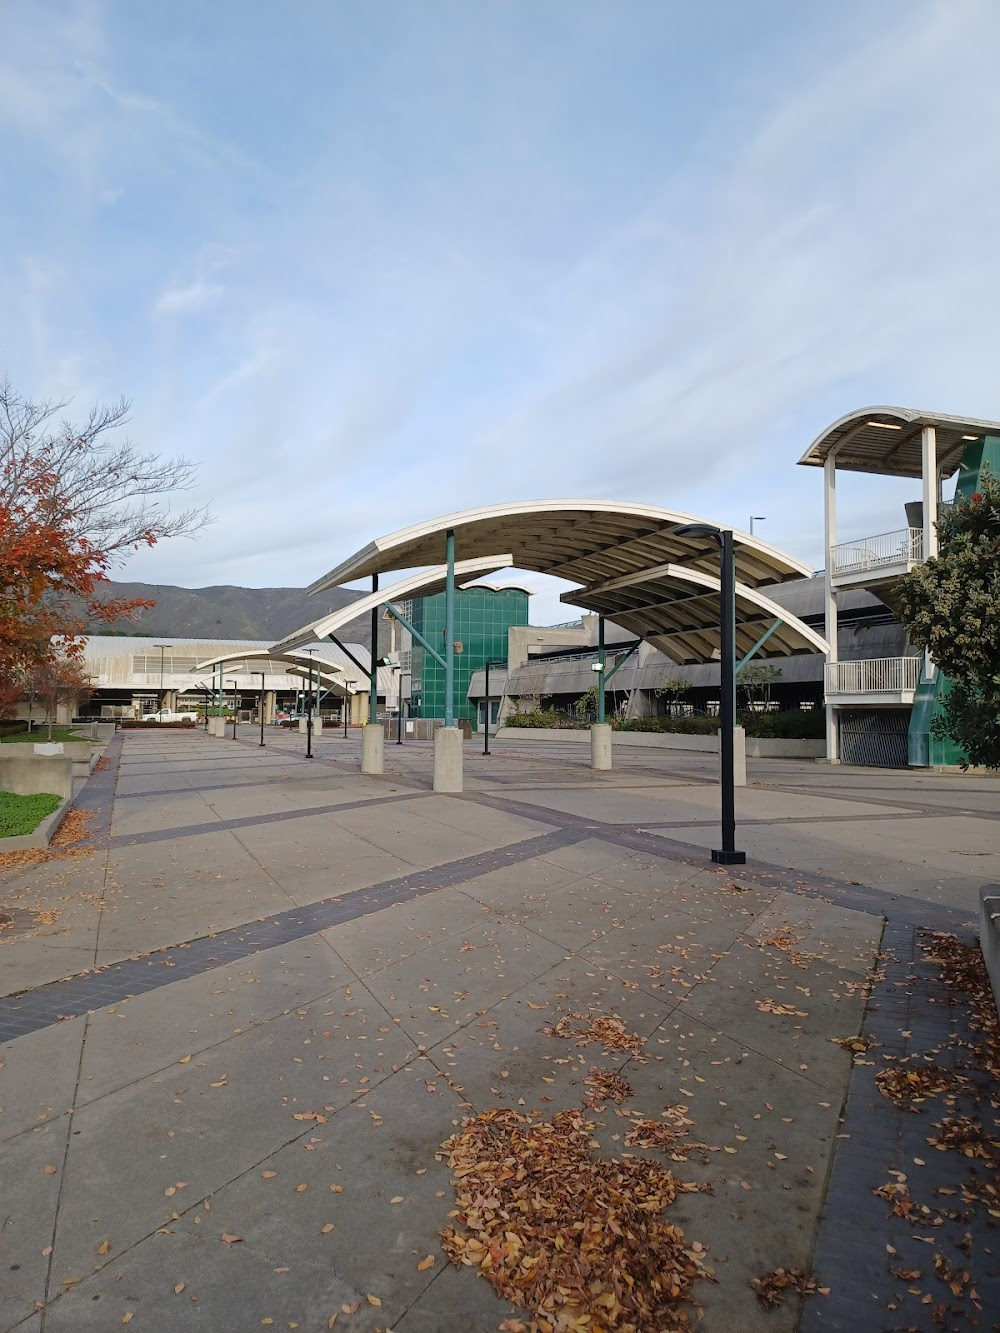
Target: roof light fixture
{"points": [[883, 425]]}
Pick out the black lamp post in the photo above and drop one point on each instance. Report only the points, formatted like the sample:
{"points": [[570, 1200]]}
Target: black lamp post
{"points": [[262, 709], [399, 717], [727, 855], [162, 647], [235, 717]]}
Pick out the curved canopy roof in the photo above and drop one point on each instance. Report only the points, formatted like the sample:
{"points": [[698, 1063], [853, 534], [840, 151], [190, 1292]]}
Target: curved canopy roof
{"points": [[886, 440], [423, 584], [677, 609], [272, 663], [584, 541]]}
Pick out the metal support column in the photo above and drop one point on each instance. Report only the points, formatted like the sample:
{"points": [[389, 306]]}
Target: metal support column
{"points": [[486, 728], [260, 707], [449, 631], [602, 664], [373, 675], [830, 598], [929, 469], [727, 854]]}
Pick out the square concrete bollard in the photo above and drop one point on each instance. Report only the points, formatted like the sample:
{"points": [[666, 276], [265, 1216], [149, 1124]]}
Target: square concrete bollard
{"points": [[448, 759], [600, 746], [989, 933], [373, 749], [317, 726]]}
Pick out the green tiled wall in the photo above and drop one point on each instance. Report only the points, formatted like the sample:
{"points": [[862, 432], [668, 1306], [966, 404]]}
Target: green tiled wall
{"points": [[482, 619]]}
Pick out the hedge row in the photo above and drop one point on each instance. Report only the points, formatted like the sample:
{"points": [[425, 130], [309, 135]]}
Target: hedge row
{"points": [[129, 725], [794, 724]]}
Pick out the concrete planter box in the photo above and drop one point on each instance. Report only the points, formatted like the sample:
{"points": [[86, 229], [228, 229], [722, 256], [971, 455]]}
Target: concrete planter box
{"points": [[43, 834], [25, 774], [669, 740]]}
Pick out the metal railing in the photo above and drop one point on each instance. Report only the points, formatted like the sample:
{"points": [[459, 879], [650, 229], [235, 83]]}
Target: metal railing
{"points": [[876, 675], [903, 547]]}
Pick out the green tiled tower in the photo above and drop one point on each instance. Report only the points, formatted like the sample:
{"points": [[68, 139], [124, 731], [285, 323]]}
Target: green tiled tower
{"points": [[482, 618]]}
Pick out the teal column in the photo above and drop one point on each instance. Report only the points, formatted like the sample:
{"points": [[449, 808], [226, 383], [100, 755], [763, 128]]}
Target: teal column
{"points": [[218, 697], [600, 674], [449, 631], [373, 673]]}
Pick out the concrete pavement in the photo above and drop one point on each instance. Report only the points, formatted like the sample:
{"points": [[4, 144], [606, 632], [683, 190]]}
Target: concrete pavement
{"points": [[288, 984]]}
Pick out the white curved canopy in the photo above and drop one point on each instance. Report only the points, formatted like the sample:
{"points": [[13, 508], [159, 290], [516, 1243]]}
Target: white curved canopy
{"points": [[886, 440], [584, 541], [423, 584], [677, 610], [270, 662]]}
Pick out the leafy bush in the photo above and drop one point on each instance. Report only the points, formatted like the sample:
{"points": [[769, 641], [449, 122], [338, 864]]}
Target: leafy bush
{"points": [[542, 717], [695, 725], [23, 814], [794, 724]]}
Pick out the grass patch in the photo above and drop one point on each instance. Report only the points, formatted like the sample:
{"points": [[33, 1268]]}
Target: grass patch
{"points": [[40, 735], [23, 814]]}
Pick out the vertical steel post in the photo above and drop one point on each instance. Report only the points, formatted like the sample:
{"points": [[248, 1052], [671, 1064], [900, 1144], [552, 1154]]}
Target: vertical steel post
{"points": [[449, 631], [600, 674], [309, 714], [346, 705], [373, 676], [486, 745], [399, 710], [728, 855], [262, 708], [830, 628]]}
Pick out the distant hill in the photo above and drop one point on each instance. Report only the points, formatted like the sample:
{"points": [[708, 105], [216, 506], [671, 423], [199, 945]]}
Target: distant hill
{"points": [[231, 613]]}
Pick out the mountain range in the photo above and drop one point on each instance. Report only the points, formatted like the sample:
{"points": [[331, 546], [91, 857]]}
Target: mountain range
{"points": [[226, 612]]}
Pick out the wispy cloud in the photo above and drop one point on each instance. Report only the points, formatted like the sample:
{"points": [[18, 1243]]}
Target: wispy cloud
{"points": [[445, 258]]}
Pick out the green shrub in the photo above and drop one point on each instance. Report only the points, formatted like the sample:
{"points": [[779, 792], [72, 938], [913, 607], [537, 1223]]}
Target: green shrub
{"points": [[135, 725], [542, 717], [23, 814], [793, 724], [695, 725]]}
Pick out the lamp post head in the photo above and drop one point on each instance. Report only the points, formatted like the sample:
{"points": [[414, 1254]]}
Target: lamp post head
{"points": [[699, 530], [597, 666]]}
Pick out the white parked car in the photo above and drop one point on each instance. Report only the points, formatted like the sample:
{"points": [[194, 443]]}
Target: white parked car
{"points": [[169, 715]]}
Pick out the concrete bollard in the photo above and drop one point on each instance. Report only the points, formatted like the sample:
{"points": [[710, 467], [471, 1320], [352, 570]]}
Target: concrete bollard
{"points": [[373, 749], [600, 746], [739, 756], [215, 725], [317, 726], [448, 759]]}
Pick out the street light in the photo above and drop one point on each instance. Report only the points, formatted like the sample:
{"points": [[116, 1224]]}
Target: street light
{"points": [[161, 647], [727, 855], [309, 702], [261, 709], [399, 710], [235, 719], [756, 518]]}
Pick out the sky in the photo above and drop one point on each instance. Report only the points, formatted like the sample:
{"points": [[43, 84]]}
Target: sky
{"points": [[368, 263]]}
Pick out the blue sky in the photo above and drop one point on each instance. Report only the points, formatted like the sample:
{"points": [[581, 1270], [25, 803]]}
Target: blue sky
{"points": [[372, 262]]}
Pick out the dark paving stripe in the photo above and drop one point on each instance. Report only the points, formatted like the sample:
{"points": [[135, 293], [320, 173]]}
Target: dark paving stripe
{"points": [[787, 819], [97, 794], [857, 897], [58, 1000], [851, 1255], [252, 821], [904, 803]]}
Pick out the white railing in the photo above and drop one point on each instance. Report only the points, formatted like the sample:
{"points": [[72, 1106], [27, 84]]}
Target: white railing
{"points": [[904, 547], [876, 675]]}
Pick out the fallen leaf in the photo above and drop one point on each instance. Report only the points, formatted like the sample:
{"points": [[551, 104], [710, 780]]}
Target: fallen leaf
{"points": [[301, 1189], [373, 1300], [328, 1228], [179, 1287], [184, 1060], [128, 1316], [50, 1169], [230, 1239], [424, 1264], [104, 1247], [398, 1199], [351, 1307], [268, 1175]]}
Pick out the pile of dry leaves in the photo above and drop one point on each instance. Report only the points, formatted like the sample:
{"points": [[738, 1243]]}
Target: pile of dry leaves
{"points": [[574, 1238], [606, 1086], [773, 1287], [909, 1086], [609, 1031]]}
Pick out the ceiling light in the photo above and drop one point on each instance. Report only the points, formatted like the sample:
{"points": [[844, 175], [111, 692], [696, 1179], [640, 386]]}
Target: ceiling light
{"points": [[883, 425], [970, 437]]}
